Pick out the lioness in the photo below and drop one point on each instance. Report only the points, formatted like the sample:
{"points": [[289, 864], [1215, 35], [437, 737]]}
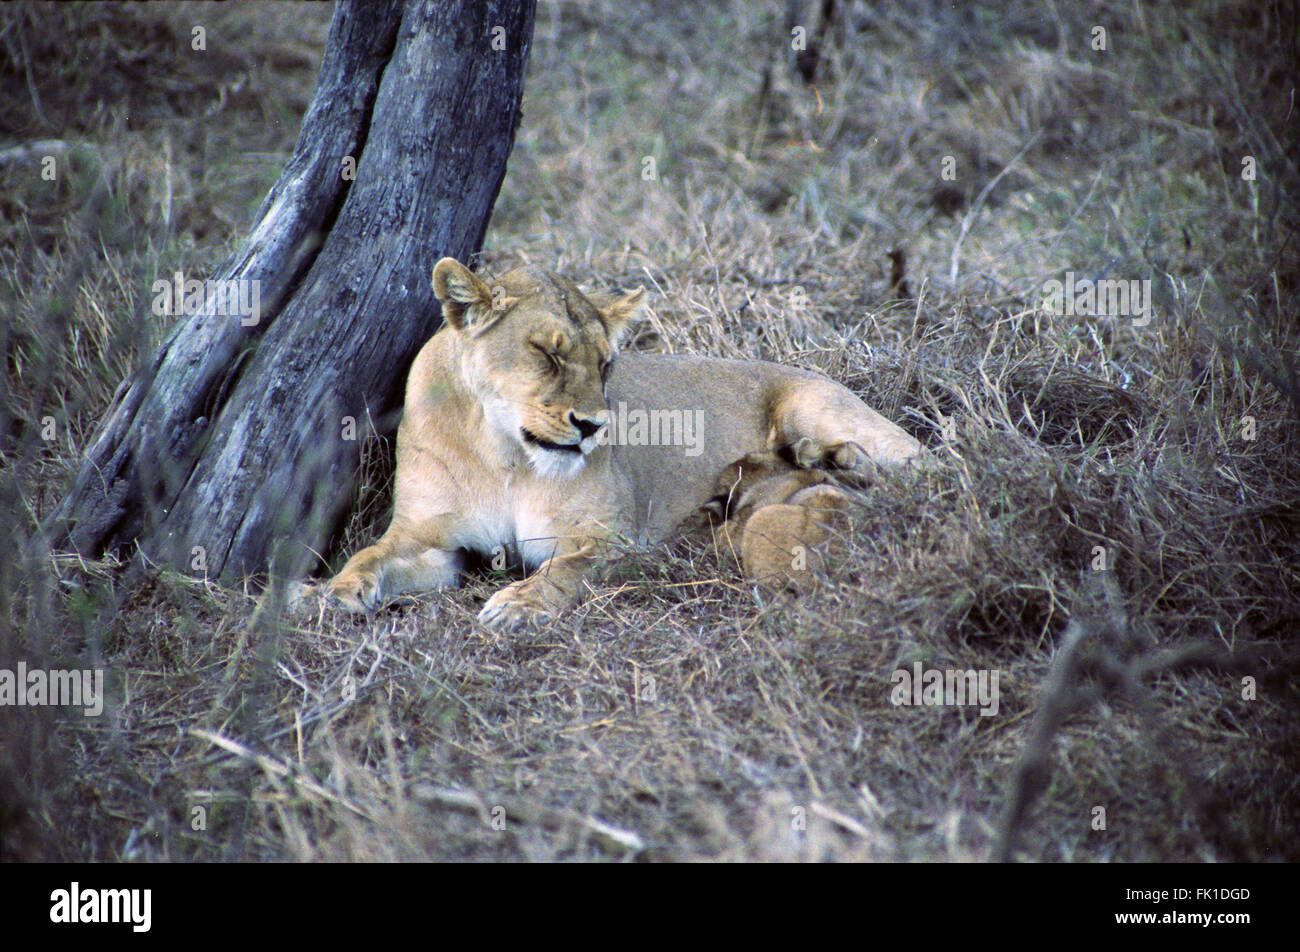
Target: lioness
{"points": [[523, 432]]}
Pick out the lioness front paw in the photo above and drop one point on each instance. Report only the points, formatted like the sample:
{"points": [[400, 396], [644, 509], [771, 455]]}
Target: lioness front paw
{"points": [[351, 596], [357, 593], [518, 604]]}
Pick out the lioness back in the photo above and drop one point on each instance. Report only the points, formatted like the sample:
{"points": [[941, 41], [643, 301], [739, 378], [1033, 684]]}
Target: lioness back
{"points": [[676, 422]]}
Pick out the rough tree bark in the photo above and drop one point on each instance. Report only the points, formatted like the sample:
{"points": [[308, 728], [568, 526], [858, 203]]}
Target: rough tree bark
{"points": [[234, 438]]}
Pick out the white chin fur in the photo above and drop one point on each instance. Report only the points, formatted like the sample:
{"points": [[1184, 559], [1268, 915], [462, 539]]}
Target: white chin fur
{"points": [[555, 464]]}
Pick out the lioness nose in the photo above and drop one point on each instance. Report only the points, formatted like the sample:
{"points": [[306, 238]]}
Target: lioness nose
{"points": [[585, 427]]}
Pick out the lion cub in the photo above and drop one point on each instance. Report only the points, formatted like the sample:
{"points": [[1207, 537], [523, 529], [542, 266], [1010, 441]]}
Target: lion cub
{"points": [[780, 521]]}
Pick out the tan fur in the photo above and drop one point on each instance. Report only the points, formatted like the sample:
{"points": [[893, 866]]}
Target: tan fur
{"points": [[500, 447], [779, 521]]}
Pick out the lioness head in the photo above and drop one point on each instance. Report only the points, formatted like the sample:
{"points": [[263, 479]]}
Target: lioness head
{"points": [[538, 354]]}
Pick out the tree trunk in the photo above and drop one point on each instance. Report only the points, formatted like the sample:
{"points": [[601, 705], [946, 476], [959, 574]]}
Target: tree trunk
{"points": [[238, 436]]}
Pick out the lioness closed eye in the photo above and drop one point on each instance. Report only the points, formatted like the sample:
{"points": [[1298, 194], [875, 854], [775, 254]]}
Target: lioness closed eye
{"points": [[524, 431]]}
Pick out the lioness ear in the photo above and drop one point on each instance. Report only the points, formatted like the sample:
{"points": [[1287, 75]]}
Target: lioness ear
{"points": [[466, 300], [619, 315]]}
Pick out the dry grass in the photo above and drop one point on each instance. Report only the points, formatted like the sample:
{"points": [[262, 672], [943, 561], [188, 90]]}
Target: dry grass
{"points": [[680, 714]]}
